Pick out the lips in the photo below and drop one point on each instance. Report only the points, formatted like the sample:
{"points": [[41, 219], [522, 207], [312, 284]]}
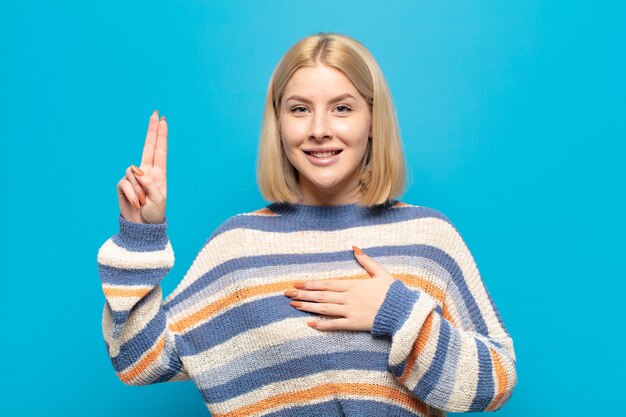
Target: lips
{"points": [[323, 158]]}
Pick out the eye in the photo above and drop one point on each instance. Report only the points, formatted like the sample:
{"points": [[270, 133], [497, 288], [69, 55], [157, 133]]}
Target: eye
{"points": [[346, 108], [296, 108]]}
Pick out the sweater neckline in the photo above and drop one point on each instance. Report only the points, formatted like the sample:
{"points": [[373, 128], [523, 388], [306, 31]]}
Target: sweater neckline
{"points": [[330, 216]]}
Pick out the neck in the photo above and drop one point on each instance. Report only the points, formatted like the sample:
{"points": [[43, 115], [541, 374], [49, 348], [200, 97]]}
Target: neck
{"points": [[340, 194]]}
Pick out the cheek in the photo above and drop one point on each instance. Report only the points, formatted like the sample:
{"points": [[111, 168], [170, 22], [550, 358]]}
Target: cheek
{"points": [[290, 133], [354, 130]]}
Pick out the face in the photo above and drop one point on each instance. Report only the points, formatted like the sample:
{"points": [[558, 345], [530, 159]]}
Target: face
{"points": [[325, 124]]}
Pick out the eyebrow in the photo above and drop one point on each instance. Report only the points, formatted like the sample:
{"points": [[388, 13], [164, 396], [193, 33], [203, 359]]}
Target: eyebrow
{"points": [[338, 98]]}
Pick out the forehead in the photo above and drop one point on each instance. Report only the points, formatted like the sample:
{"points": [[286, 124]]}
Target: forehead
{"points": [[320, 80]]}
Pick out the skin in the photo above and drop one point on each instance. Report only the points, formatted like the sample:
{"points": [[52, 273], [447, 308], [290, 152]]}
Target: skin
{"points": [[313, 119], [317, 121]]}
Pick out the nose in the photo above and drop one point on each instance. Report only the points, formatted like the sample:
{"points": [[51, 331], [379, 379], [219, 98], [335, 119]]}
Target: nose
{"points": [[320, 127]]}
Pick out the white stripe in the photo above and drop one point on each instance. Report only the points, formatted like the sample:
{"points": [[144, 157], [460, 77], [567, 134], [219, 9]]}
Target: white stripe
{"points": [[115, 256], [406, 336], [466, 379]]}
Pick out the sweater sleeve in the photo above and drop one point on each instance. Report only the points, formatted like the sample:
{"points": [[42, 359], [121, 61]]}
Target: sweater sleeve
{"points": [[131, 265], [458, 358]]}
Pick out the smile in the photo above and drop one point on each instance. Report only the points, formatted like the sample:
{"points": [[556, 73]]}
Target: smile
{"points": [[323, 154], [323, 158]]}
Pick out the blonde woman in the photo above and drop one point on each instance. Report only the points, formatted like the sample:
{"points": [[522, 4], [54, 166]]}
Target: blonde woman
{"points": [[336, 299]]}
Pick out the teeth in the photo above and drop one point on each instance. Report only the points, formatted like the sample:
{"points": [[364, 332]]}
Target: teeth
{"points": [[324, 154]]}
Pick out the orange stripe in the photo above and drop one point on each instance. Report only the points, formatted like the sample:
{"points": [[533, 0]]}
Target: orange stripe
{"points": [[144, 363], [125, 292], [239, 297], [502, 379], [264, 211], [328, 390], [418, 347], [430, 289]]}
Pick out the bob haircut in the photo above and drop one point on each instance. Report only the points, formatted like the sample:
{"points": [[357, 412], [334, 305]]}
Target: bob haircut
{"points": [[383, 171]]}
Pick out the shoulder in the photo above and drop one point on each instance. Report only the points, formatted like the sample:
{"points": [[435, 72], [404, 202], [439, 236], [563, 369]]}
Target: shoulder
{"points": [[421, 212], [244, 220]]}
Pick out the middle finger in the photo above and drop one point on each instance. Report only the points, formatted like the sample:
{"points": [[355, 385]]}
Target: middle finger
{"points": [[147, 157], [316, 296]]}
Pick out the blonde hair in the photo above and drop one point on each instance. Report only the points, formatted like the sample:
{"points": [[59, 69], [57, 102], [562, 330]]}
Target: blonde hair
{"points": [[383, 171]]}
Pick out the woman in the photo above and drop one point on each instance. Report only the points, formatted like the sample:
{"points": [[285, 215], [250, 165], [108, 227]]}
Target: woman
{"points": [[405, 327]]}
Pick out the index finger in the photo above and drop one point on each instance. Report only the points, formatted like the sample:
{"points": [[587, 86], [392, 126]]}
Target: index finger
{"points": [[147, 157], [160, 153]]}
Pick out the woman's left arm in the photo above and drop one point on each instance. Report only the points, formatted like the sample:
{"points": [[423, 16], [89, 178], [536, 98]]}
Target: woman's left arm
{"points": [[457, 358]]}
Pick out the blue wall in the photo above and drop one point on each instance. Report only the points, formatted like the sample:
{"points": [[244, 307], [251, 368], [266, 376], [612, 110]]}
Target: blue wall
{"points": [[513, 116]]}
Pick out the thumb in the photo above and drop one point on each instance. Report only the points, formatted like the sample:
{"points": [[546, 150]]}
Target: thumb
{"points": [[370, 265]]}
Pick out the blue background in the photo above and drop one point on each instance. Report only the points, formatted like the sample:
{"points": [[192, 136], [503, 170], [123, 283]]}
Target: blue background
{"points": [[513, 117]]}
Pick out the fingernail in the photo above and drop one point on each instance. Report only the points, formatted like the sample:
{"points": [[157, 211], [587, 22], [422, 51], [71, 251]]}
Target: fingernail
{"points": [[142, 198], [291, 293], [299, 284], [296, 303], [155, 112], [312, 324], [163, 118], [136, 170], [136, 203], [357, 250]]}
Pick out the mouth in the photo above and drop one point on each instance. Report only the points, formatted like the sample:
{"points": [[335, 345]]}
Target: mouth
{"points": [[322, 155]]}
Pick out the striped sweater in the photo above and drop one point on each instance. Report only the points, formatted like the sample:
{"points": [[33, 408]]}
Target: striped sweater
{"points": [[437, 344]]}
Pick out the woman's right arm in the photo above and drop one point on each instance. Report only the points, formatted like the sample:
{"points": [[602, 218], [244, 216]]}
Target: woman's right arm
{"points": [[131, 265]]}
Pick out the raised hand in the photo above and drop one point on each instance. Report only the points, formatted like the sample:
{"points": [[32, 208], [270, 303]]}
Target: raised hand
{"points": [[142, 192]]}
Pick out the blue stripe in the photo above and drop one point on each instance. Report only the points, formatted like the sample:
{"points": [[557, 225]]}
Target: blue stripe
{"points": [[119, 316], [326, 221], [485, 386], [118, 276], [297, 368], [140, 343], [139, 237], [398, 369]]}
